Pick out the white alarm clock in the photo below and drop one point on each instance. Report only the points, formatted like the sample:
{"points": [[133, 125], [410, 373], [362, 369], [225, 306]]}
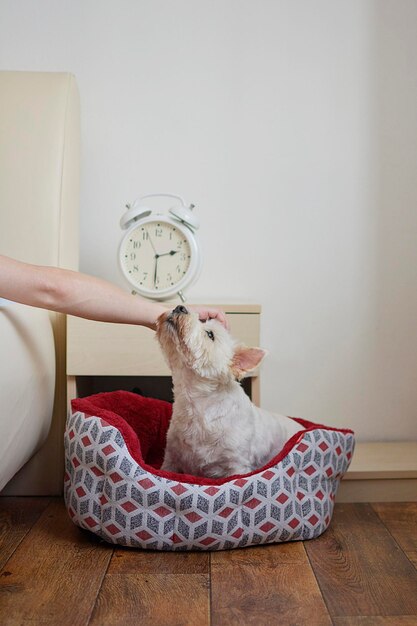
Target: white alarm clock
{"points": [[160, 254]]}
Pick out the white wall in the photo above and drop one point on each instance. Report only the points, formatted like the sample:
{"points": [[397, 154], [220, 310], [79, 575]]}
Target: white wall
{"points": [[292, 126]]}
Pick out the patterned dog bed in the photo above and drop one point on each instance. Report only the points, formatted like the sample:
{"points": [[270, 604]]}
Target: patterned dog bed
{"points": [[114, 444]]}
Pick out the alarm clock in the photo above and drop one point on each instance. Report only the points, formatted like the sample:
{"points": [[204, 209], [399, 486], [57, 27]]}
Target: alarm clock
{"points": [[160, 255]]}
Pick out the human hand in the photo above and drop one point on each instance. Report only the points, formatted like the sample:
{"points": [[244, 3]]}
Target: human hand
{"points": [[205, 314]]}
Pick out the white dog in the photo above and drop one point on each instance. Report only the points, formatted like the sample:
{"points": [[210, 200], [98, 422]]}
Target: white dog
{"points": [[215, 429]]}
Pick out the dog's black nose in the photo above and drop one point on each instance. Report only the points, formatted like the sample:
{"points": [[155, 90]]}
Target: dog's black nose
{"points": [[180, 309]]}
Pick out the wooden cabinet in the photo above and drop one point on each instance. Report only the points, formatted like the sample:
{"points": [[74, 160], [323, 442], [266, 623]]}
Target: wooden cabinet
{"points": [[98, 350]]}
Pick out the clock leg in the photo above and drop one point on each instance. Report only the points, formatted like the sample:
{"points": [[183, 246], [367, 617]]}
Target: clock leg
{"points": [[181, 295]]}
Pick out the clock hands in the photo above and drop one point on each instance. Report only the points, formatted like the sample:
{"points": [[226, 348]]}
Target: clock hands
{"points": [[158, 256], [172, 252], [156, 270]]}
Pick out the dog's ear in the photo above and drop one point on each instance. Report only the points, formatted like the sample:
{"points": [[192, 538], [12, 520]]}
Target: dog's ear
{"points": [[246, 360]]}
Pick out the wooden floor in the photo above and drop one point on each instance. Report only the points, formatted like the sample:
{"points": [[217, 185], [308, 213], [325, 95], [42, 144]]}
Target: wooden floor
{"points": [[363, 571]]}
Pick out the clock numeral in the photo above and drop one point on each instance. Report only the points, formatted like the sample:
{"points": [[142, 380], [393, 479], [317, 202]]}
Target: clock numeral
{"points": [[136, 245], [132, 256], [169, 277], [145, 275], [158, 232], [183, 256], [178, 269], [135, 268], [145, 235]]}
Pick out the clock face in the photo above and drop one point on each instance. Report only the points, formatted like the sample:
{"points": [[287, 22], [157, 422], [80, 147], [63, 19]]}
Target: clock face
{"points": [[155, 256]]}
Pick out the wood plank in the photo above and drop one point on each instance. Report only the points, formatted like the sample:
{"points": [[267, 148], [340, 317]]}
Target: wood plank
{"points": [[360, 569], [153, 588], [54, 575], [376, 620], [17, 516], [265, 585], [401, 521], [130, 561]]}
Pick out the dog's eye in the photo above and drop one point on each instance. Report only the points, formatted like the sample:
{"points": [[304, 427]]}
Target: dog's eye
{"points": [[210, 334]]}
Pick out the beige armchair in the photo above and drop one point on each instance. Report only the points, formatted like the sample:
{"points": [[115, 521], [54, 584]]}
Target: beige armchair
{"points": [[39, 196]]}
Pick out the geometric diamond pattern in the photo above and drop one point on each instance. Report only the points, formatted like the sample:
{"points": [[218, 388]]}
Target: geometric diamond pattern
{"points": [[109, 493]]}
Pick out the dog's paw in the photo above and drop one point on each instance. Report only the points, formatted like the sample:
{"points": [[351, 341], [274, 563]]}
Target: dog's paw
{"points": [[170, 467]]}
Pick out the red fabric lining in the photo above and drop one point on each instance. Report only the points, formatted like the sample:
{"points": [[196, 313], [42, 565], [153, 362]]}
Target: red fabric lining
{"points": [[143, 424]]}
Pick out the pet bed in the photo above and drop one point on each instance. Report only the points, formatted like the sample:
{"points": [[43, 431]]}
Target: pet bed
{"points": [[114, 445]]}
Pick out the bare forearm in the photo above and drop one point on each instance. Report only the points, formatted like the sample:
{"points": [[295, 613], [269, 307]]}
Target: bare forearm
{"points": [[74, 293], [93, 298], [78, 294]]}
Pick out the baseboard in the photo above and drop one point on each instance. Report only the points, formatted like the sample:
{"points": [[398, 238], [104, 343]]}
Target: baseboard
{"points": [[381, 472]]}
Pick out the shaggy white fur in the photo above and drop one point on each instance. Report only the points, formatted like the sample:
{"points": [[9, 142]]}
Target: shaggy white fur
{"points": [[215, 429]]}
